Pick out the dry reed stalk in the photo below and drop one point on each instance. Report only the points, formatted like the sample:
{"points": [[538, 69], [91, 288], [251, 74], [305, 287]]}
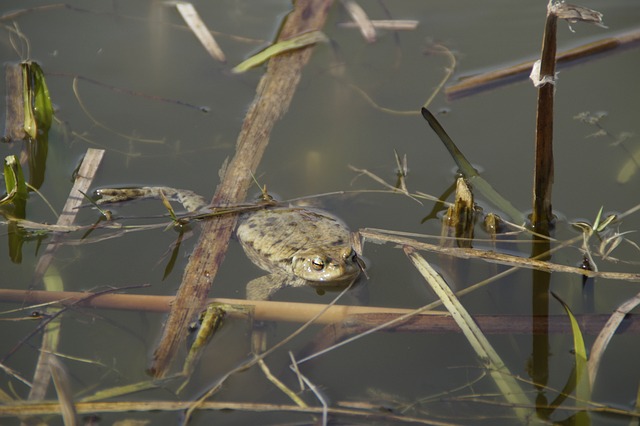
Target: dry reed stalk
{"points": [[261, 310], [361, 20], [200, 30], [542, 214], [387, 24], [81, 184], [382, 236], [488, 80], [366, 412], [355, 319]]}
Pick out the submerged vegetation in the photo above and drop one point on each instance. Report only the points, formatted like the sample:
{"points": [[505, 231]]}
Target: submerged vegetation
{"points": [[212, 356]]}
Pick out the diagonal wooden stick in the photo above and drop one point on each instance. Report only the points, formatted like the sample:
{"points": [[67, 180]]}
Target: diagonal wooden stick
{"points": [[81, 184], [273, 96]]}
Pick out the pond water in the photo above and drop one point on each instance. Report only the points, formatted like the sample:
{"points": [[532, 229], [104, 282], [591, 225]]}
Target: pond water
{"points": [[129, 78]]}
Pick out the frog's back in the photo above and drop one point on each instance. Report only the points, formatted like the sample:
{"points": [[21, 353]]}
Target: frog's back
{"points": [[272, 236]]}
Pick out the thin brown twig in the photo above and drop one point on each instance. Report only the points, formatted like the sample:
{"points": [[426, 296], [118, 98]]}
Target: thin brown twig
{"points": [[82, 183]]}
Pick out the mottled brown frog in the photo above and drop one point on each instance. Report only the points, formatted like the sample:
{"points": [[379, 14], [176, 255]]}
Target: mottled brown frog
{"points": [[297, 245]]}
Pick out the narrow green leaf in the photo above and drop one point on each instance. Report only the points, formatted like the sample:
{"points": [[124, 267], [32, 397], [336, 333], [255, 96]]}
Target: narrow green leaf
{"points": [[607, 221], [583, 389], [470, 173], [125, 390], [463, 164], [293, 43], [167, 205], [596, 223], [503, 378], [174, 254]]}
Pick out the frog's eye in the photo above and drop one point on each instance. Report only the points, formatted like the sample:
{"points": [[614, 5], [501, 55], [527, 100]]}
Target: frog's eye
{"points": [[317, 264]]}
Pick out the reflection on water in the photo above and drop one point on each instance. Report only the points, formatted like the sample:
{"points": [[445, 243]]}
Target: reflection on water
{"points": [[151, 70]]}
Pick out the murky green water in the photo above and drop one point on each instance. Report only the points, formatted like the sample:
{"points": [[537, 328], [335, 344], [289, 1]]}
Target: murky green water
{"points": [[143, 47]]}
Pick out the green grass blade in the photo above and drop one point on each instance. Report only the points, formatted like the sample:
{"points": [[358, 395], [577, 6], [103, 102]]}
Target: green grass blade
{"points": [[504, 380], [583, 388], [296, 42], [470, 173]]}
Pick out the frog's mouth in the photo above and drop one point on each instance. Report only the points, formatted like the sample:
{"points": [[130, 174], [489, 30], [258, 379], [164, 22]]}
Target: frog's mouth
{"points": [[332, 286]]}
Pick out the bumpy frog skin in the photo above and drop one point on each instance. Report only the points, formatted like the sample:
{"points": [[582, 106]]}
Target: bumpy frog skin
{"points": [[298, 246]]}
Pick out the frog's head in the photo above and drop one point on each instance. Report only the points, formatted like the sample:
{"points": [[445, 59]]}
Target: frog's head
{"points": [[336, 264]]}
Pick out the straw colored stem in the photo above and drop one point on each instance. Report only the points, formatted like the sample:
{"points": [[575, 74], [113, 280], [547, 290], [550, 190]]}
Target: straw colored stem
{"points": [[262, 310], [354, 319]]}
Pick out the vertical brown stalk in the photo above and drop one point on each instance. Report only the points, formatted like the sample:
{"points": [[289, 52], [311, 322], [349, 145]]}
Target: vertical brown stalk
{"points": [[543, 173], [539, 365], [542, 212]]}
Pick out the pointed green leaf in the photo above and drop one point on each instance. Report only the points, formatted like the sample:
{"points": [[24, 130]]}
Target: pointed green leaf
{"points": [[41, 101], [469, 172], [293, 43], [503, 378], [596, 223], [583, 389]]}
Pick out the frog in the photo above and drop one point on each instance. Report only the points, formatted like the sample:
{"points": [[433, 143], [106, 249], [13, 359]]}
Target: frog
{"points": [[296, 245]]}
